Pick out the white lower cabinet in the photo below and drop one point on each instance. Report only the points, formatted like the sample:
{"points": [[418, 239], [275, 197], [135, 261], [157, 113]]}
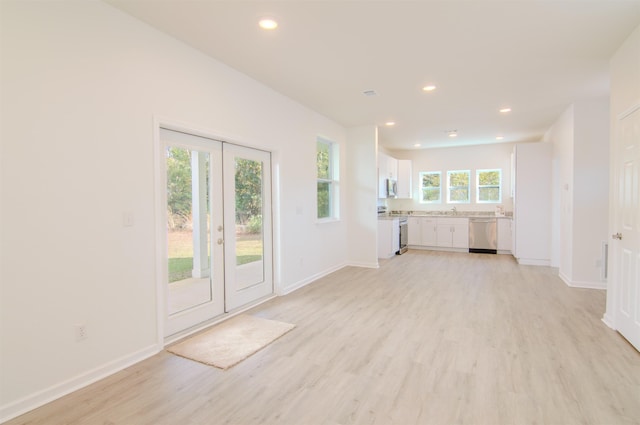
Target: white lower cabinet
{"points": [[422, 231], [388, 237], [443, 232], [428, 231], [453, 233], [414, 228], [504, 234]]}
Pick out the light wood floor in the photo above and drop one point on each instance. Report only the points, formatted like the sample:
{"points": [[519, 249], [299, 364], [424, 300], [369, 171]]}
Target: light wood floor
{"points": [[429, 338]]}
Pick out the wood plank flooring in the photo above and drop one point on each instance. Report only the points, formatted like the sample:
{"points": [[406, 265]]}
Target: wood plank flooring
{"points": [[429, 338]]}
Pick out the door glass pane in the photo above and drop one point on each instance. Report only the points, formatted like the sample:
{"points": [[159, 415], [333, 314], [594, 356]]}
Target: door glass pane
{"points": [[187, 228], [249, 231]]}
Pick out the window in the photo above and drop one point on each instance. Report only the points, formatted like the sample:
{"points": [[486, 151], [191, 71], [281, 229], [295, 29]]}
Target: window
{"points": [[327, 165], [430, 187], [458, 186], [488, 186]]}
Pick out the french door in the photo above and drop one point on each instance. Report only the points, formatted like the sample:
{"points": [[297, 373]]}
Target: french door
{"points": [[217, 210]]}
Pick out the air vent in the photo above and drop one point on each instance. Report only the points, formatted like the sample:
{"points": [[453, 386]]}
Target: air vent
{"points": [[370, 93]]}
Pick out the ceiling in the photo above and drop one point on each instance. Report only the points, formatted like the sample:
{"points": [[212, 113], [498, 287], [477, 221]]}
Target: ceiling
{"points": [[533, 56]]}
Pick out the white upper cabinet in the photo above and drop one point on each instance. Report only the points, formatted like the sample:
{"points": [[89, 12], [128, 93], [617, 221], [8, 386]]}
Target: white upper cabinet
{"points": [[383, 174], [404, 178], [392, 168], [398, 170]]}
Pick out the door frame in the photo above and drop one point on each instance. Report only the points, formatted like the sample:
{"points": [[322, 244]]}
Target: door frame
{"points": [[160, 226]]}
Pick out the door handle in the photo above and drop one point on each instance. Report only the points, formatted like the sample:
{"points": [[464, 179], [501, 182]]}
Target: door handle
{"points": [[220, 241], [617, 236]]}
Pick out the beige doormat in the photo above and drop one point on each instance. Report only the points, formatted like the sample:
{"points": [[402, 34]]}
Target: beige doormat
{"points": [[232, 341]]}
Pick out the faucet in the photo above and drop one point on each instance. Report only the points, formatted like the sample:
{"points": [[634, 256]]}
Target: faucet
{"points": [[454, 210]]}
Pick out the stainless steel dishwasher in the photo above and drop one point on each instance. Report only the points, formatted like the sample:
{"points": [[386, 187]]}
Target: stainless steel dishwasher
{"points": [[482, 235]]}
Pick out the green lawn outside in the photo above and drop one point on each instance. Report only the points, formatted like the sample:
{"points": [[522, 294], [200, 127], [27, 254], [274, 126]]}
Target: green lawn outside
{"points": [[248, 249]]}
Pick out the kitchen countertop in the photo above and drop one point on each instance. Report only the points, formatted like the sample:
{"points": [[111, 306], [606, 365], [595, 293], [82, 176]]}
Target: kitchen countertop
{"points": [[452, 214]]}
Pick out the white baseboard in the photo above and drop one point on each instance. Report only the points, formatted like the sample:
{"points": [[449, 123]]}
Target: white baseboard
{"points": [[533, 262], [366, 265], [40, 398], [582, 284], [608, 321], [304, 282], [439, 248]]}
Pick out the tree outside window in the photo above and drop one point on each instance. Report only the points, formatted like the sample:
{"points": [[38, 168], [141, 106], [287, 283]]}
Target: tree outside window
{"points": [[458, 186], [430, 187], [327, 173], [488, 186]]}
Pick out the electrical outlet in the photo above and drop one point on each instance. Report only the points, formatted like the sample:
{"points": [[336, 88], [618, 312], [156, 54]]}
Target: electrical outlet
{"points": [[81, 333]]}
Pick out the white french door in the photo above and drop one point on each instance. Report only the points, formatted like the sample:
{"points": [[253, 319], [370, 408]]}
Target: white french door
{"points": [[626, 244], [217, 228], [247, 209]]}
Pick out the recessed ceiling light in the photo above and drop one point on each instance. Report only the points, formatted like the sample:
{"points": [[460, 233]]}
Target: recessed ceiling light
{"points": [[505, 110], [429, 88], [390, 123], [453, 133], [417, 145], [499, 137], [268, 24]]}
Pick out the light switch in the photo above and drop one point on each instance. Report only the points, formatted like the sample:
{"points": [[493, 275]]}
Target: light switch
{"points": [[127, 219]]}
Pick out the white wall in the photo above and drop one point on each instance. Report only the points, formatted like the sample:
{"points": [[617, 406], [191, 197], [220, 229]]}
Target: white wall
{"points": [[363, 177], [81, 86], [625, 93], [591, 190], [532, 211], [580, 139], [561, 136], [457, 158]]}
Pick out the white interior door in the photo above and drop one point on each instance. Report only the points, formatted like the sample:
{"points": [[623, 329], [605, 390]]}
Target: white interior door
{"points": [[247, 218], [626, 244], [193, 272]]}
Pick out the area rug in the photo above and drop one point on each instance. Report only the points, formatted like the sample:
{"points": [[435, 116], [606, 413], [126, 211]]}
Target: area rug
{"points": [[232, 341]]}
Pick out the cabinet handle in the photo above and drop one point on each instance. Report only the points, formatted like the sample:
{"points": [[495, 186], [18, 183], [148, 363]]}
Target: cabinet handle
{"points": [[617, 236]]}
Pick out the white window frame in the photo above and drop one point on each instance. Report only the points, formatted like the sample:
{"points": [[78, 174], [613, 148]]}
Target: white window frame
{"points": [[468, 200], [499, 186], [333, 180], [426, 201]]}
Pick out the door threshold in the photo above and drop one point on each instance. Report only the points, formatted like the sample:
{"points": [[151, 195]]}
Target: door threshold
{"points": [[168, 340]]}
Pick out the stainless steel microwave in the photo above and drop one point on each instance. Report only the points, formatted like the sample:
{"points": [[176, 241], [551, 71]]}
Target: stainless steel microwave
{"points": [[392, 188]]}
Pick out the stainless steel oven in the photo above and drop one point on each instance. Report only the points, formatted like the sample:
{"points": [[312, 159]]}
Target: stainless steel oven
{"points": [[404, 235]]}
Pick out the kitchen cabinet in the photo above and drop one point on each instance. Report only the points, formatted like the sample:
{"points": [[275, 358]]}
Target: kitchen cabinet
{"points": [[388, 170], [388, 237], [383, 167], [504, 235], [453, 233], [441, 232], [428, 231], [392, 168], [414, 229], [404, 179], [422, 231]]}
